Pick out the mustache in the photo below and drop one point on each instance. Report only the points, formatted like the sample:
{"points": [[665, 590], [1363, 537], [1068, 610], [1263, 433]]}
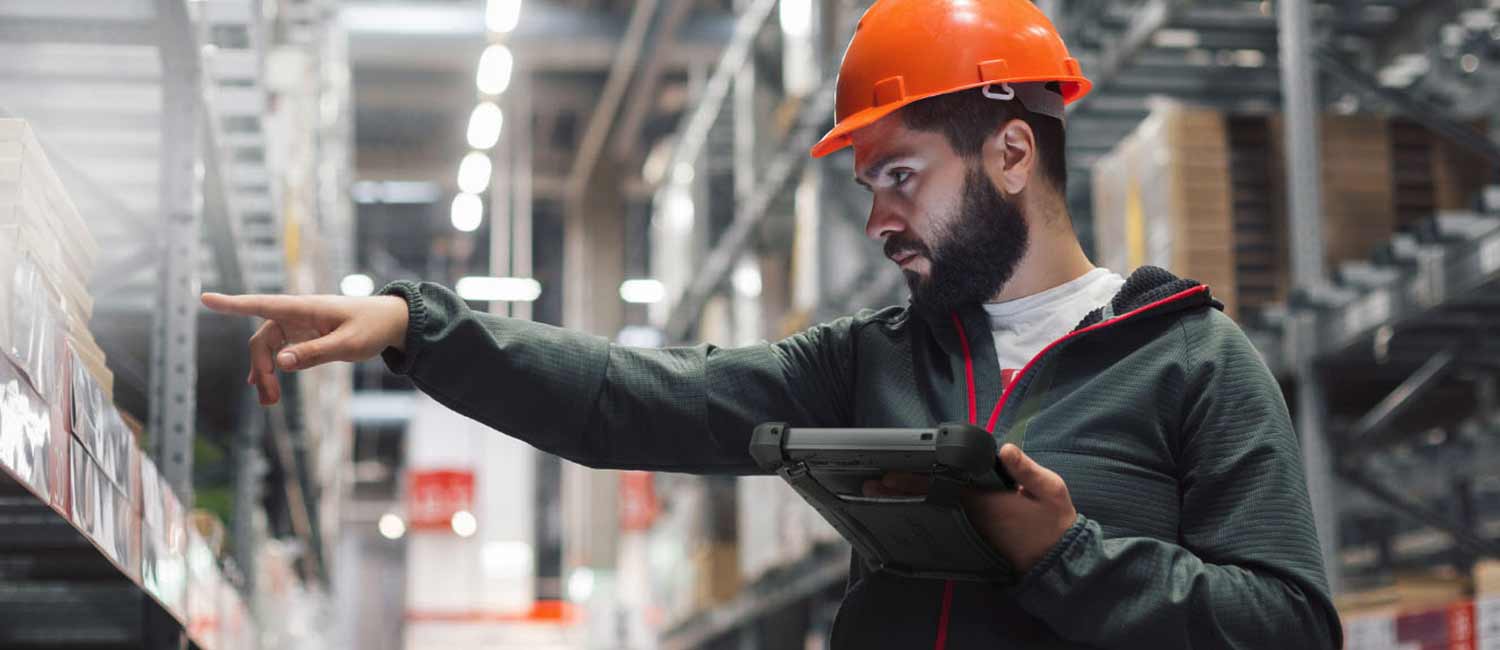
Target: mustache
{"points": [[899, 245]]}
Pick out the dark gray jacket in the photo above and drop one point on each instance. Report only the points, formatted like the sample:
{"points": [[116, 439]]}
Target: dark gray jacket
{"points": [[1195, 529]]}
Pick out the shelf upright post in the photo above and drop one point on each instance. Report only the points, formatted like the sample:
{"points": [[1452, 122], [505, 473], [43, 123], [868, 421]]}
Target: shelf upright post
{"points": [[1303, 139], [174, 332]]}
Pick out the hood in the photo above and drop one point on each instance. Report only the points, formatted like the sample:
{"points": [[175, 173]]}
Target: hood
{"points": [[1150, 285]]}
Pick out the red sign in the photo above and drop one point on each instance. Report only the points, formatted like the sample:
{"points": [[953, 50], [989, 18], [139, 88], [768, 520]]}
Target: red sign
{"points": [[1461, 621], [638, 504], [432, 496]]}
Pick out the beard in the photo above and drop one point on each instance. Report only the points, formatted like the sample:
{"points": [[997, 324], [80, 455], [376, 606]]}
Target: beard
{"points": [[974, 257]]}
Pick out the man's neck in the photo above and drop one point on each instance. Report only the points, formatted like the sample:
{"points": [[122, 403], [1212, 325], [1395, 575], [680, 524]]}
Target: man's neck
{"points": [[1052, 258]]}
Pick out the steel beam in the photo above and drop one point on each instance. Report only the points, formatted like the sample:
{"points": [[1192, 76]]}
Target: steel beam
{"points": [[249, 471], [1110, 63], [1463, 537], [77, 31], [298, 504], [644, 95], [748, 216], [1401, 399], [1431, 116], [710, 102], [174, 341], [803, 580], [602, 120], [1301, 107], [221, 221]]}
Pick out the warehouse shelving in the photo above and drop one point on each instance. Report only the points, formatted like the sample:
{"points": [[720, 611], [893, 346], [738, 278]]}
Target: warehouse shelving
{"points": [[90, 561], [145, 108], [825, 569]]}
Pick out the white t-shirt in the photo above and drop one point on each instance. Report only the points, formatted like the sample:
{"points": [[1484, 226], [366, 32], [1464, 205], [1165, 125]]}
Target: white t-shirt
{"points": [[1022, 327]]}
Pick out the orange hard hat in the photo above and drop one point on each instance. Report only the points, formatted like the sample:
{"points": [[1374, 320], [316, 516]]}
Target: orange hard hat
{"points": [[907, 50]]}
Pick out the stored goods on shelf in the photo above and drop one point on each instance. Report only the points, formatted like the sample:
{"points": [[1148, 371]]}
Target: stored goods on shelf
{"points": [[1205, 194], [1487, 578], [47, 255], [1162, 198]]}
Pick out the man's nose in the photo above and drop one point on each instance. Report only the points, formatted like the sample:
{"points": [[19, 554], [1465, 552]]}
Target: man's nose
{"points": [[883, 222]]}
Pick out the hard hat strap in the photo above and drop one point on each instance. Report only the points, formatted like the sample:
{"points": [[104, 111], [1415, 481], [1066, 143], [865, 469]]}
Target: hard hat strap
{"points": [[1005, 94], [1034, 96]]}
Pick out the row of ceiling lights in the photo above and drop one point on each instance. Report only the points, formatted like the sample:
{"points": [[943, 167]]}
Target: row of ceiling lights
{"points": [[491, 79]]}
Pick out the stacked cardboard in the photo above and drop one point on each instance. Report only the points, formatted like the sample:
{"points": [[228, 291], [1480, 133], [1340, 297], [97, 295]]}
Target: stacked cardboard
{"points": [[1206, 195], [1359, 207], [1162, 198]]}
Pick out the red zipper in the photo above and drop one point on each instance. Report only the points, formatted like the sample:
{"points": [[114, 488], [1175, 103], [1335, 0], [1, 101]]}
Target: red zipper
{"points": [[1005, 394], [963, 339], [942, 633]]}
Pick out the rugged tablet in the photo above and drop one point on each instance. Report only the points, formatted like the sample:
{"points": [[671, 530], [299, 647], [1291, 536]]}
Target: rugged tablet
{"points": [[926, 536]]}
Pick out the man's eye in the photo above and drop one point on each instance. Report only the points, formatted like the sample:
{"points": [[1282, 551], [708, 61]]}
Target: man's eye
{"points": [[900, 176]]}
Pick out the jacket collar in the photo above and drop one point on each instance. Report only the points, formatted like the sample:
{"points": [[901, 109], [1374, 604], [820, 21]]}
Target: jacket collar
{"points": [[1144, 287], [1147, 290]]}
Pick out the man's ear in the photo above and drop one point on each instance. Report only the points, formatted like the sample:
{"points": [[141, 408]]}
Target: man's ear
{"points": [[1010, 156]]}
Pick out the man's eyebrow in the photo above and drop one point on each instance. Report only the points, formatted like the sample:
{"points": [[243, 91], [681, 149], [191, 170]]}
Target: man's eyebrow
{"points": [[879, 166]]}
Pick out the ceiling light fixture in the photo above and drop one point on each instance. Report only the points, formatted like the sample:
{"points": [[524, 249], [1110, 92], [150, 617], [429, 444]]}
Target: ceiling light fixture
{"points": [[495, 66], [484, 125]]}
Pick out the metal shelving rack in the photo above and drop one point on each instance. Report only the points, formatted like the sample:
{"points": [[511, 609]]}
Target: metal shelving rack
{"points": [[149, 110], [1420, 314]]}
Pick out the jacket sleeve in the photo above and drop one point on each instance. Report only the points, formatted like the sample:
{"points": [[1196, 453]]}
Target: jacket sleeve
{"points": [[1247, 570], [686, 409]]}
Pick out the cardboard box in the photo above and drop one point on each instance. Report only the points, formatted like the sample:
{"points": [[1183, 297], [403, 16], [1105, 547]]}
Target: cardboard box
{"points": [[1487, 578], [1162, 197]]}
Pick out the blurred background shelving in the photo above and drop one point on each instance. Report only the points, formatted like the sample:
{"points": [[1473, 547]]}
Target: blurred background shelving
{"points": [[638, 170]]}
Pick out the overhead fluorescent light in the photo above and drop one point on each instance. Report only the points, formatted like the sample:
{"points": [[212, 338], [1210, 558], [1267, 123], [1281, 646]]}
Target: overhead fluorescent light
{"points": [[642, 292], [796, 17], [581, 584], [499, 289], [640, 336], [484, 125], [495, 67], [507, 559], [357, 284], [391, 526], [409, 19], [474, 173], [1178, 38], [467, 212], [677, 209], [502, 16], [464, 523], [404, 192], [746, 278]]}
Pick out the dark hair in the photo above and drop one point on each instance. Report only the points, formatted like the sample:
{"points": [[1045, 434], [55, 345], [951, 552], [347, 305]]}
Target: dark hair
{"points": [[967, 118]]}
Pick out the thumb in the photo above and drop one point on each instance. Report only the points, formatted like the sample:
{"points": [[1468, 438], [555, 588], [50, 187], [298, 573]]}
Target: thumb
{"points": [[334, 346], [1028, 474]]}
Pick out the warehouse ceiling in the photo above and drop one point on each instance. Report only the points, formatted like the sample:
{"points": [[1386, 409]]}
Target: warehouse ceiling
{"points": [[413, 71]]}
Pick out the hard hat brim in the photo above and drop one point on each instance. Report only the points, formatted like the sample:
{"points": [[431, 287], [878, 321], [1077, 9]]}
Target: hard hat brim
{"points": [[842, 134]]}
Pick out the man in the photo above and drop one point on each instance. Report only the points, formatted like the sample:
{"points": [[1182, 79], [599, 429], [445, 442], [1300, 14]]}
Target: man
{"points": [[1162, 500]]}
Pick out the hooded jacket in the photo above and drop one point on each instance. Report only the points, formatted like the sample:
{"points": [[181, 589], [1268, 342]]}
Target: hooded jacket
{"points": [[1194, 526]]}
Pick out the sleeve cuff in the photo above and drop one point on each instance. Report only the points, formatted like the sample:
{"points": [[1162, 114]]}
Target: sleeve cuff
{"points": [[416, 318], [1072, 540]]}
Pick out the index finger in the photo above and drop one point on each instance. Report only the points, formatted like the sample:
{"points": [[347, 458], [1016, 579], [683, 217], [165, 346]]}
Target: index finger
{"points": [[269, 307]]}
